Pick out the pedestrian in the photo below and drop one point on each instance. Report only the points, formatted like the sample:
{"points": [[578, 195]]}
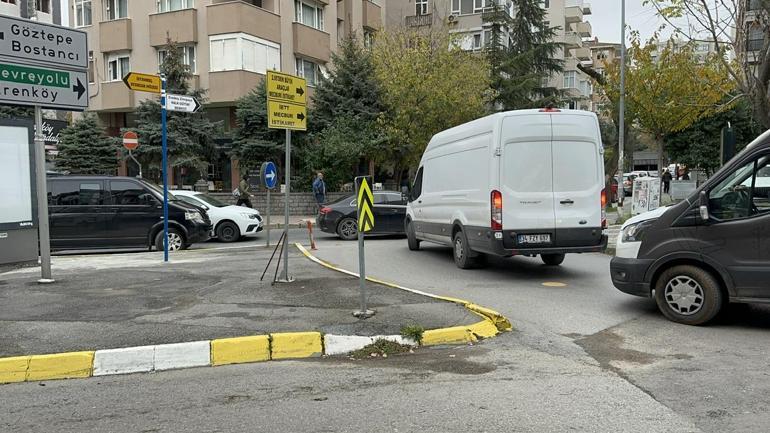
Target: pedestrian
{"points": [[244, 191], [666, 178], [319, 189]]}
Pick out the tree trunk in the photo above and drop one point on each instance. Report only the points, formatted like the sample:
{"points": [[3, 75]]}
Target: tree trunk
{"points": [[661, 161]]}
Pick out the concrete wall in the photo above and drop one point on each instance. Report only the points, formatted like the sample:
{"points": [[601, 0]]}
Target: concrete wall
{"points": [[301, 203]]}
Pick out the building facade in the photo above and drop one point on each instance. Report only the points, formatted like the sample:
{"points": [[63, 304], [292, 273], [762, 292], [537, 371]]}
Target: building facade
{"points": [[602, 55], [568, 16], [228, 45], [47, 11]]}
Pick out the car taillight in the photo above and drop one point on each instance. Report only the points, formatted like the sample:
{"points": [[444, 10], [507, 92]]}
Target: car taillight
{"points": [[604, 208], [325, 210], [497, 210]]}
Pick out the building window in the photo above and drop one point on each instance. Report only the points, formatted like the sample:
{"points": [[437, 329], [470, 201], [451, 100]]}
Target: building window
{"points": [[240, 51], [421, 7], [118, 65], [309, 13], [756, 38], [570, 80], [546, 4], [309, 71], [43, 6], [115, 9], [91, 68], [585, 88], [10, 2], [755, 5], [188, 57], [174, 5], [468, 7], [368, 38], [82, 13]]}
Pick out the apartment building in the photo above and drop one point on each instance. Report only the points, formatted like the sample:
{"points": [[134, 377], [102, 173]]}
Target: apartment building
{"points": [[47, 11], [749, 35], [228, 44], [573, 30], [602, 55]]}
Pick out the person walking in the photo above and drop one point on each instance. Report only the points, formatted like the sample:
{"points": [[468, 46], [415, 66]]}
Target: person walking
{"points": [[319, 189], [666, 178], [244, 199]]}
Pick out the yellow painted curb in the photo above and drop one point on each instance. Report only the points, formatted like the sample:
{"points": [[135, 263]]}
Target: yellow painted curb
{"points": [[60, 366], [453, 335], [484, 329], [501, 322], [291, 345], [240, 350], [13, 369]]}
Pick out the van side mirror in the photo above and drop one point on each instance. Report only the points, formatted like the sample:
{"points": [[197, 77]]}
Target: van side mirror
{"points": [[704, 206]]}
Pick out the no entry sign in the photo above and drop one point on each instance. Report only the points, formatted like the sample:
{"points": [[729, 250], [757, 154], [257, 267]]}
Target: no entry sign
{"points": [[130, 140]]}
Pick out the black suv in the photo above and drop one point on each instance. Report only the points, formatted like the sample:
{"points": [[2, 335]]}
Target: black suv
{"points": [[87, 212]]}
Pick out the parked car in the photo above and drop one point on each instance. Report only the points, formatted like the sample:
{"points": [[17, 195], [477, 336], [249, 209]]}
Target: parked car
{"points": [[118, 212], [339, 217], [709, 249], [230, 222], [527, 182]]}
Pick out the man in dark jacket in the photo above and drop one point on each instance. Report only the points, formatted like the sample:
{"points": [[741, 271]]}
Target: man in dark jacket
{"points": [[319, 189], [244, 191], [666, 178]]}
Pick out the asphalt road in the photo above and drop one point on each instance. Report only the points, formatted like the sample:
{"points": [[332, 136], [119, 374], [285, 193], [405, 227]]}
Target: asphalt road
{"points": [[584, 357]]}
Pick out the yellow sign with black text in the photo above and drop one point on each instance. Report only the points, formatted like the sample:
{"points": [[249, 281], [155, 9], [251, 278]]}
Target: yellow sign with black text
{"points": [[284, 115], [143, 82], [365, 203], [286, 88]]}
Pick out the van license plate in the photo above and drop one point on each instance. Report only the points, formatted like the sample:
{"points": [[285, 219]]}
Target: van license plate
{"points": [[534, 239]]}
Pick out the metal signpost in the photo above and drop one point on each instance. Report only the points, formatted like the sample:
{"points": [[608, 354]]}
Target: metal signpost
{"points": [[131, 142], [268, 176], [286, 109], [44, 66], [364, 205]]}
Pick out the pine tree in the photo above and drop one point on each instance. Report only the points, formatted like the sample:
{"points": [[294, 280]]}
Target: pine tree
{"points": [[85, 149], [253, 142], [16, 111]]}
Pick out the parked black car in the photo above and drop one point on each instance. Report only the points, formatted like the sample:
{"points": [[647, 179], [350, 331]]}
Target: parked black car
{"points": [[87, 212], [340, 216]]}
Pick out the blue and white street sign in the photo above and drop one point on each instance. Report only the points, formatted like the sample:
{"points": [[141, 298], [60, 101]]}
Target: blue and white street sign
{"points": [[268, 174]]}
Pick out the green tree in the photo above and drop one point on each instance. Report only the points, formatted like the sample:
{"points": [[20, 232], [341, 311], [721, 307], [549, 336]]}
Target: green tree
{"points": [[85, 149], [253, 141], [428, 84], [16, 111], [190, 136]]}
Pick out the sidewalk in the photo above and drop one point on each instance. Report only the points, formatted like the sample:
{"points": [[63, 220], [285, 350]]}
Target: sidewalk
{"points": [[277, 221], [121, 300]]}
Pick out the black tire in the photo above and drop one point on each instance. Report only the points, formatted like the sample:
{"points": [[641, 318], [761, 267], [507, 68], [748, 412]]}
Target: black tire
{"points": [[465, 258], [228, 231], [177, 240], [552, 259], [411, 237], [688, 294], [347, 229]]}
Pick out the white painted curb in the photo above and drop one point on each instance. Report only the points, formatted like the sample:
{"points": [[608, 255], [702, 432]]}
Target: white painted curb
{"points": [[182, 355], [121, 361], [344, 344]]}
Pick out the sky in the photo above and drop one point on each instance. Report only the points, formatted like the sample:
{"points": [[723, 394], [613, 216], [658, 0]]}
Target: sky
{"points": [[605, 19]]}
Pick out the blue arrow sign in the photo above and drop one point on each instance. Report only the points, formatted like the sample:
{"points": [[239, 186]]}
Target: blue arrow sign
{"points": [[269, 175]]}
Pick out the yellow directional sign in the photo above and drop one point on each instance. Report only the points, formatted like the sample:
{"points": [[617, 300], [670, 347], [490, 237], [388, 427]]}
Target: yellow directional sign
{"points": [[142, 82], [284, 115], [365, 203], [286, 88]]}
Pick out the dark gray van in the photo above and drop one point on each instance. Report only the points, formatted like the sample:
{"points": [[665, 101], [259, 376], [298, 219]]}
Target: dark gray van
{"points": [[87, 212], [708, 250]]}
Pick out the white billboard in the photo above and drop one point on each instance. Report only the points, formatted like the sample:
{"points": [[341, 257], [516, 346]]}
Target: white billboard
{"points": [[15, 177]]}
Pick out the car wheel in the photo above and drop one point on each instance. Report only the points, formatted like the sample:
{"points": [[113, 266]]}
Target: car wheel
{"points": [[465, 258], [688, 294], [228, 231], [411, 237], [347, 229], [176, 240], [552, 259]]}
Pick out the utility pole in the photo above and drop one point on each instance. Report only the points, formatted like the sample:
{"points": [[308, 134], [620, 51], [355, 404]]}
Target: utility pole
{"points": [[622, 102]]}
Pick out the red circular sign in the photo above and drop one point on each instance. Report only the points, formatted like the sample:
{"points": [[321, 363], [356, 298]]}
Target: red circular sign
{"points": [[130, 140]]}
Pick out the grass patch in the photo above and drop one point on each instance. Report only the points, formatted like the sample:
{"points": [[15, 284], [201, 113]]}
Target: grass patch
{"points": [[413, 331], [383, 348]]}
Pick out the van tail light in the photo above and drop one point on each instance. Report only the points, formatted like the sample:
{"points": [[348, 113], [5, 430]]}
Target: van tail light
{"points": [[497, 210], [604, 208], [325, 210]]}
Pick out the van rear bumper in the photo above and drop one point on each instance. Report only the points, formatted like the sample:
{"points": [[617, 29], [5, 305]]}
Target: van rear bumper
{"points": [[499, 248]]}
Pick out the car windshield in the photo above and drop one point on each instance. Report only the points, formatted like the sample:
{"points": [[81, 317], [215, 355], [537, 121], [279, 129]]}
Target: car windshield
{"points": [[210, 200], [159, 191]]}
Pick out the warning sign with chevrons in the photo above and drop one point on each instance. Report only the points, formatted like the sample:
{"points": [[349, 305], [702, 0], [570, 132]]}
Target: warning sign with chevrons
{"points": [[365, 203]]}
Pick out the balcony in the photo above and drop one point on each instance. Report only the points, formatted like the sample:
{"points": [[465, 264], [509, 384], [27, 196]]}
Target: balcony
{"points": [[573, 14], [372, 16], [240, 16], [311, 43], [228, 86], [419, 20], [179, 26], [572, 40], [582, 28], [583, 54], [115, 35], [116, 97]]}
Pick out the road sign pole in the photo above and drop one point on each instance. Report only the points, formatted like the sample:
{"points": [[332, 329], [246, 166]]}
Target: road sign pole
{"points": [[131, 155], [42, 200], [287, 177], [364, 312], [268, 217], [164, 151]]}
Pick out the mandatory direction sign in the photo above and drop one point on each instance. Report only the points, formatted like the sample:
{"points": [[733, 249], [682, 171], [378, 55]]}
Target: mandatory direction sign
{"points": [[365, 204], [283, 115], [44, 44], [184, 103], [49, 88], [130, 140], [268, 174], [142, 82], [286, 88]]}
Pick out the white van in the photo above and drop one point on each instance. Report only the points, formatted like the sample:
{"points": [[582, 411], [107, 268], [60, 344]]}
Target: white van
{"points": [[527, 182]]}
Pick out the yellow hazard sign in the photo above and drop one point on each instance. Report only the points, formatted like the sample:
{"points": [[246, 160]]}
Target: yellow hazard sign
{"points": [[286, 88], [365, 203], [284, 115], [143, 82]]}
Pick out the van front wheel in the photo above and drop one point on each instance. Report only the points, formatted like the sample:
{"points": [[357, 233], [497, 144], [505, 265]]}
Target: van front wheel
{"points": [[552, 259], [688, 294], [176, 240], [465, 258]]}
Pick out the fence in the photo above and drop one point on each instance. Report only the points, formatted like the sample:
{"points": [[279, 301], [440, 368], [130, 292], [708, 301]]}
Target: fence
{"points": [[301, 203]]}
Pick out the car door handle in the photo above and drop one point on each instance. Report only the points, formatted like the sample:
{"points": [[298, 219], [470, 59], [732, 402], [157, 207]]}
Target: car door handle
{"points": [[567, 201], [419, 201]]}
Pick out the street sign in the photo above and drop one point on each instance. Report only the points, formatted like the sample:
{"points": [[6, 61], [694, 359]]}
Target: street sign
{"points": [[43, 44], [268, 174], [183, 103], [130, 140], [286, 88], [46, 87], [284, 115], [365, 204], [142, 82]]}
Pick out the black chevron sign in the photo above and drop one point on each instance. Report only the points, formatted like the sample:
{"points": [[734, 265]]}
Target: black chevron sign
{"points": [[365, 203]]}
